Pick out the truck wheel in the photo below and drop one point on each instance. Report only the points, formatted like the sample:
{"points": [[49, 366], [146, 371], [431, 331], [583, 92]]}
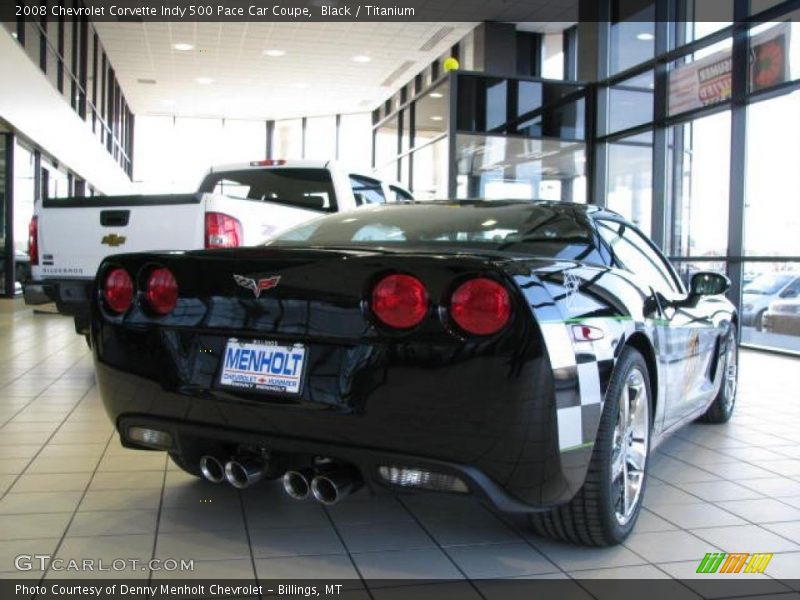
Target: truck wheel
{"points": [[721, 408], [605, 509]]}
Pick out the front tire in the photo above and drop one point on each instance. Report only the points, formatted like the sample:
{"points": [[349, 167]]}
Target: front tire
{"points": [[721, 408], [605, 509], [760, 320]]}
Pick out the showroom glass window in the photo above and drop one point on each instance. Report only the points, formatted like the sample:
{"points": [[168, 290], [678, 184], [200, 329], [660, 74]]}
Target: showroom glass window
{"points": [[632, 35], [3, 199], [320, 138], [24, 194], [288, 141], [772, 220], [354, 133], [699, 154], [630, 179]]}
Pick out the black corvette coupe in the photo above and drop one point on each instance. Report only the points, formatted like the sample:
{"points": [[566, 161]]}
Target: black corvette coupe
{"points": [[531, 354]]}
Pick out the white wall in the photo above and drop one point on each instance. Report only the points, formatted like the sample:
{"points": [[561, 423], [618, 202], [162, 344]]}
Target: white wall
{"points": [[34, 108]]}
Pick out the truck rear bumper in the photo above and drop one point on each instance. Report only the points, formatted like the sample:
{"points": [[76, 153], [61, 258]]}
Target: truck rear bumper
{"points": [[71, 297]]}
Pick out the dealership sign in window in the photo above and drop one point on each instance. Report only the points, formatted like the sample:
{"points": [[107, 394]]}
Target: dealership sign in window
{"points": [[707, 80]]}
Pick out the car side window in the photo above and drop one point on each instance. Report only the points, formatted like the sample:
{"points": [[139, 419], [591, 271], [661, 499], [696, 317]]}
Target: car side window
{"points": [[635, 254], [400, 195], [792, 290], [366, 190]]}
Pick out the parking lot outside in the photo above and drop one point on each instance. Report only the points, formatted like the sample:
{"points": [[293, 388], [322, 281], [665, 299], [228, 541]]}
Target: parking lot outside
{"points": [[71, 491]]}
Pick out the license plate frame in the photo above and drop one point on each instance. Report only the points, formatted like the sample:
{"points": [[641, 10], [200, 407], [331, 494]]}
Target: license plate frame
{"points": [[250, 365]]}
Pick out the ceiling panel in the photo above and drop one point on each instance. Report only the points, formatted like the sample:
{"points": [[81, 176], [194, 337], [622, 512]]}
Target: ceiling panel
{"points": [[315, 76]]}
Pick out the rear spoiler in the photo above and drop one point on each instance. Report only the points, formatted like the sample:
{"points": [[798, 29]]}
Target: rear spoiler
{"points": [[113, 201]]}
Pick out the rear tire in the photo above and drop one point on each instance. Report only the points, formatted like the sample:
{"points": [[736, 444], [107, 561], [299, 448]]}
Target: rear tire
{"points": [[601, 513], [721, 408]]}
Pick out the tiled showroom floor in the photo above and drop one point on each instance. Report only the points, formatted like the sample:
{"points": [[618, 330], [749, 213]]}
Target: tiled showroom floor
{"points": [[68, 488]]}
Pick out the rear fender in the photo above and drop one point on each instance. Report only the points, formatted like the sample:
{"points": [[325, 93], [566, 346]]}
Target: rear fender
{"points": [[564, 296]]}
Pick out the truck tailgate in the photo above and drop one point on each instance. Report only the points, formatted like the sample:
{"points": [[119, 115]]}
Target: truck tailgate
{"points": [[75, 234]]}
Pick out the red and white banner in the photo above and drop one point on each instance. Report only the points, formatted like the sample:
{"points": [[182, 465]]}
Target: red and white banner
{"points": [[707, 80]]}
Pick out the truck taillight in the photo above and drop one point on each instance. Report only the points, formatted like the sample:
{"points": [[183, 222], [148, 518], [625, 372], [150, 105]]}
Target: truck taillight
{"points": [[223, 231], [33, 240]]}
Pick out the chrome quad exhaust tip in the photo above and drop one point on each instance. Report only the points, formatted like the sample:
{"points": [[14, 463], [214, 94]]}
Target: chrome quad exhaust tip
{"points": [[297, 484], [212, 469], [331, 486], [244, 471]]}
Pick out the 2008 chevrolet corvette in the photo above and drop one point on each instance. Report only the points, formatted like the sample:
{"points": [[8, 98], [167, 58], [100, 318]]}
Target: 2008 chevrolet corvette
{"points": [[531, 354]]}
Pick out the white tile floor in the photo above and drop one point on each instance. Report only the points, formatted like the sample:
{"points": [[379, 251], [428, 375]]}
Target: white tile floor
{"points": [[68, 488]]}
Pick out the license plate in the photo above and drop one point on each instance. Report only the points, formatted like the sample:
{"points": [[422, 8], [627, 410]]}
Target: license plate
{"points": [[263, 366]]}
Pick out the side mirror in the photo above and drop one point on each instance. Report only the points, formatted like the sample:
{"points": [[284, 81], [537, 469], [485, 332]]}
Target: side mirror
{"points": [[708, 283]]}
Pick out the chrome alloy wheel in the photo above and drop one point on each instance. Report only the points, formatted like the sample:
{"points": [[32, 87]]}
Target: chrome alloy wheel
{"points": [[731, 372], [630, 443]]}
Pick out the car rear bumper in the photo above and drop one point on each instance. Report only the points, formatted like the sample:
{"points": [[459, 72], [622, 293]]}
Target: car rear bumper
{"points": [[502, 445], [367, 461]]}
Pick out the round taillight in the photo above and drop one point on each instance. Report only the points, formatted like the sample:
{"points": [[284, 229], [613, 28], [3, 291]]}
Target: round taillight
{"points": [[400, 301], [480, 306], [118, 290], [161, 291]]}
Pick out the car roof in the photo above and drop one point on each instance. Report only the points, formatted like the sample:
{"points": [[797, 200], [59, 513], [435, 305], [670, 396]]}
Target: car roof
{"points": [[591, 210]]}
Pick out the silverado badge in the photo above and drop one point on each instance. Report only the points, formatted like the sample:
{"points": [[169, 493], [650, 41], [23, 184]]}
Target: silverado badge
{"points": [[113, 240], [257, 285]]}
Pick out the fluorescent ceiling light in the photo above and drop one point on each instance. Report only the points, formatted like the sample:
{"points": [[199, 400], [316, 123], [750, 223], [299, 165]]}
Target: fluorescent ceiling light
{"points": [[437, 95], [436, 118], [361, 58], [204, 80], [645, 37], [182, 46], [273, 52]]}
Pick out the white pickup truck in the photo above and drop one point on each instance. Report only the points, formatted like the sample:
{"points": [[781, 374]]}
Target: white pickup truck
{"points": [[235, 205]]}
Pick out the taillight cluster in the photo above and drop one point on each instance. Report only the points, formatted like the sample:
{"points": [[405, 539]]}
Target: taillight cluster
{"points": [[33, 240], [478, 306], [223, 231], [160, 293]]}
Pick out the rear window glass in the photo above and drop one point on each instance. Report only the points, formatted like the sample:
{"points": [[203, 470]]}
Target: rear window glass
{"points": [[311, 189], [519, 228]]}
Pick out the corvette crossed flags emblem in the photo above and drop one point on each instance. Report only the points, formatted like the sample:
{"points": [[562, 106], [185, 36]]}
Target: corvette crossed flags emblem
{"points": [[257, 285]]}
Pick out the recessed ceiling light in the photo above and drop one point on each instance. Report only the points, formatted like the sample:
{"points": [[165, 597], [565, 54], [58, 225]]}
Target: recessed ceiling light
{"points": [[436, 118], [204, 80], [361, 58], [437, 95], [183, 46], [645, 37], [274, 52]]}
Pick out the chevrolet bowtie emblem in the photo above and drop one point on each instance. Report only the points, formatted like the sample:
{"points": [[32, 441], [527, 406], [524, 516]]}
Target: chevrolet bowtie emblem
{"points": [[257, 285], [113, 240]]}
